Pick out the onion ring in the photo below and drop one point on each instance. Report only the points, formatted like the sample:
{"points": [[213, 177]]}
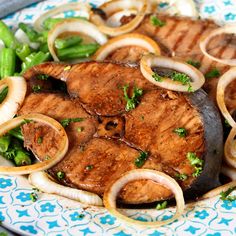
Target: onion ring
{"points": [[73, 25], [230, 155], [38, 24], [22, 170], [127, 40], [16, 93], [116, 6], [229, 172], [41, 181], [149, 61], [216, 191], [112, 191], [231, 29], [223, 82]]}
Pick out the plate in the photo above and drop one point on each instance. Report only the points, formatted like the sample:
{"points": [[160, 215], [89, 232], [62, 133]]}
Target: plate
{"points": [[57, 216]]}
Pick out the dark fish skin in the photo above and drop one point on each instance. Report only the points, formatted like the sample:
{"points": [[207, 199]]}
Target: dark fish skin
{"points": [[149, 127]]}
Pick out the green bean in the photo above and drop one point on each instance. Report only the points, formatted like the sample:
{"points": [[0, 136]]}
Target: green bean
{"points": [[4, 143], [34, 59], [22, 158], [49, 23], [44, 47], [67, 42], [16, 132], [8, 62], [23, 51], [80, 51], [30, 32], [7, 36], [3, 94]]}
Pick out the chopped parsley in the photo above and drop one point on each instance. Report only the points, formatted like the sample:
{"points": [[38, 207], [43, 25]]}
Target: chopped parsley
{"points": [[161, 206], [80, 129], [214, 73], [89, 167], [182, 132], [40, 140], [34, 195], [60, 175], [196, 64], [3, 94], [66, 122], [157, 22], [140, 160], [226, 123], [181, 177], [42, 77], [157, 77], [196, 163], [225, 195], [183, 79], [133, 101], [36, 88]]}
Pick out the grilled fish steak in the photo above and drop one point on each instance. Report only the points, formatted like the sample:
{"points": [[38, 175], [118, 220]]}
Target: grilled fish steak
{"points": [[112, 138]]}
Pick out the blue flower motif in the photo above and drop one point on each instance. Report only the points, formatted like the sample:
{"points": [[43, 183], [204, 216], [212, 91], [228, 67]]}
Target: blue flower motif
{"points": [[215, 234], [29, 17], [4, 183], [192, 229], [230, 16], [2, 218], [47, 207], [69, 14], [76, 216], [24, 197], [228, 205], [227, 3], [166, 217], [29, 228], [210, 9], [201, 214], [107, 219]]}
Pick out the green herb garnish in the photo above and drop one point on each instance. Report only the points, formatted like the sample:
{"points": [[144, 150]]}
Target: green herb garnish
{"points": [[225, 194], [40, 140], [157, 22], [157, 77], [34, 196], [182, 78], [60, 175], [81, 216], [196, 163], [66, 122], [42, 77], [36, 88], [181, 177], [196, 64], [80, 129], [89, 167], [214, 73], [140, 160], [133, 101], [161, 206], [226, 123], [182, 132]]}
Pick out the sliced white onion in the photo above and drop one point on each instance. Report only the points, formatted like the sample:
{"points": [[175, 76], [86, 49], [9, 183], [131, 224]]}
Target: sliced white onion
{"points": [[229, 172], [127, 40], [16, 93], [113, 190], [22, 37], [84, 7], [114, 20], [224, 81], [230, 29], [217, 191], [39, 166], [41, 181], [229, 148], [149, 61], [110, 8], [74, 25]]}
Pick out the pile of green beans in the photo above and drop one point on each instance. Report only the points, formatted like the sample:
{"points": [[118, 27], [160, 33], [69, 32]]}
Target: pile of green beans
{"points": [[17, 57]]}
